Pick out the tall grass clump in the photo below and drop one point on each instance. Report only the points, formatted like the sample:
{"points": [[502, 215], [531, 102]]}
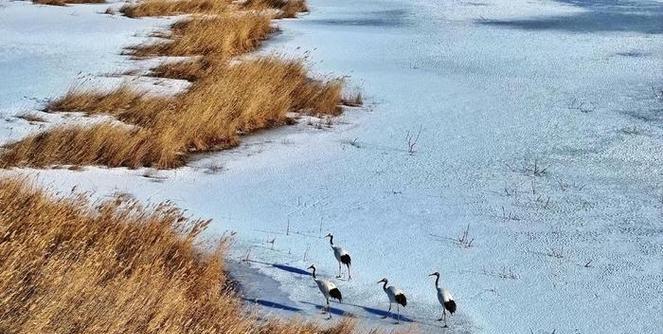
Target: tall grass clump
{"points": [[215, 38], [174, 7], [228, 98], [285, 8], [71, 266], [109, 144]]}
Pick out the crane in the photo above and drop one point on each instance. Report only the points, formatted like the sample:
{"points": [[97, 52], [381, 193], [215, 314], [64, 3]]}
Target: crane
{"points": [[445, 299], [328, 290], [342, 256], [395, 296]]}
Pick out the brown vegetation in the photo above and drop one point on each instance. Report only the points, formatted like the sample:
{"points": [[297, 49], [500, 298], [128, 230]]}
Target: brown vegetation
{"points": [[116, 267], [233, 100], [103, 144], [189, 70], [32, 118], [214, 38], [65, 2], [68, 266], [175, 7], [284, 8], [225, 101]]}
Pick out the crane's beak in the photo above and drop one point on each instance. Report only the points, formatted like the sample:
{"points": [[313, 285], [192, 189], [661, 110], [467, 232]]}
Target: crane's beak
{"points": [[311, 267], [328, 235]]}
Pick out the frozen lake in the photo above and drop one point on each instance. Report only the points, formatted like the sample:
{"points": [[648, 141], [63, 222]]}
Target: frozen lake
{"points": [[539, 125]]}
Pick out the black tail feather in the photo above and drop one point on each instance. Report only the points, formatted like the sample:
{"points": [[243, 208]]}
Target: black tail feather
{"points": [[345, 259], [450, 306], [400, 298], [336, 294]]}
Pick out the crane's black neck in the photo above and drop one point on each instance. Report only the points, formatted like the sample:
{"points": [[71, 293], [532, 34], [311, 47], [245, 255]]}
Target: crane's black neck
{"points": [[313, 272], [384, 286], [437, 280], [331, 240]]}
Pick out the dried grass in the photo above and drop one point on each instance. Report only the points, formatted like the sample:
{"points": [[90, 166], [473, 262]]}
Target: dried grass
{"points": [[216, 38], [286, 8], [107, 144], [190, 70], [65, 2], [226, 100], [115, 267], [175, 7], [31, 117], [234, 100]]}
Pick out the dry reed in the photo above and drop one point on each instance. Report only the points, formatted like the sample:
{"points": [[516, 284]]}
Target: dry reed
{"points": [[227, 99], [175, 7], [68, 266]]}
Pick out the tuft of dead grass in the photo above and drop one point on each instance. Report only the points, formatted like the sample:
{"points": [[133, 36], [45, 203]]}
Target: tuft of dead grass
{"points": [[189, 70], [31, 117], [353, 100], [112, 145], [65, 2], [175, 7], [286, 8], [116, 266], [216, 38]]}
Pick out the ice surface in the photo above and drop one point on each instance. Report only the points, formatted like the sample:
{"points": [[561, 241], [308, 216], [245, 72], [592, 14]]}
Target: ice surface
{"points": [[540, 129]]}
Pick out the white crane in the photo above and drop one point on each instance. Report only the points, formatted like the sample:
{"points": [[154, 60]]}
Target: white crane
{"points": [[445, 299], [342, 256], [328, 289], [395, 296]]}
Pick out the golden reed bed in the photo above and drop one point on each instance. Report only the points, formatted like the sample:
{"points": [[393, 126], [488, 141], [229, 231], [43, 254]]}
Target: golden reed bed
{"points": [[226, 100]]}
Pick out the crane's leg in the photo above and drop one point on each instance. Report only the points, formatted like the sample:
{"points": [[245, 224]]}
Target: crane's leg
{"points": [[328, 312], [339, 270], [398, 312], [444, 315], [349, 275], [388, 312], [324, 309]]}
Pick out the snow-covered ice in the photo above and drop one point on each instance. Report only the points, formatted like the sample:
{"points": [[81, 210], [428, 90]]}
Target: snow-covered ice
{"points": [[540, 129]]}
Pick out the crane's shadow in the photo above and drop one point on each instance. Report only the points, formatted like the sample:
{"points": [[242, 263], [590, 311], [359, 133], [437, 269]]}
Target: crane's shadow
{"points": [[284, 267], [332, 310], [273, 305], [384, 313]]}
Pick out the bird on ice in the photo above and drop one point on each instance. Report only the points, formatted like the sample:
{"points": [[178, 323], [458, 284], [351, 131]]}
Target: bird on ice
{"points": [[445, 299], [328, 290], [395, 296], [342, 256]]}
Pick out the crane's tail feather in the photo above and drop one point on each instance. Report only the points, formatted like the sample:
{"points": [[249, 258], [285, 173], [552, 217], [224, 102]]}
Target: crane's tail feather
{"points": [[345, 259], [450, 306], [400, 298], [336, 294]]}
